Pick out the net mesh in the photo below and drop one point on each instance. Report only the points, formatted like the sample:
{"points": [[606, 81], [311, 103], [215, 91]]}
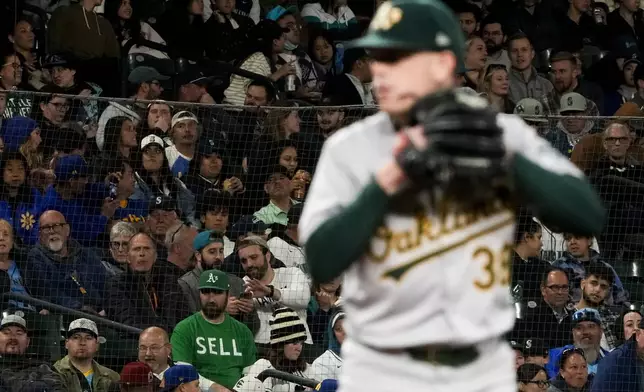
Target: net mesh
{"points": [[83, 177]]}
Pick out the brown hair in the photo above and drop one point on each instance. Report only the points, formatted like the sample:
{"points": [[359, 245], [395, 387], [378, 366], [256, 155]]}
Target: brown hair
{"points": [[274, 120]]}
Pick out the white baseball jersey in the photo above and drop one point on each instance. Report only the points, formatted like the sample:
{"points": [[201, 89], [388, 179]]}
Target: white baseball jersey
{"points": [[438, 277]]}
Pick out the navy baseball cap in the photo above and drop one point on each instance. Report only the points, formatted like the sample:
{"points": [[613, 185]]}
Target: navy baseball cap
{"points": [[248, 224], [177, 375], [534, 348], [211, 146], [586, 314], [70, 167], [163, 203]]}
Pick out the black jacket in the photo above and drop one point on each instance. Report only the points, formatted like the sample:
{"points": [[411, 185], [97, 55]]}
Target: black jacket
{"points": [[528, 274], [18, 373], [142, 303], [540, 322]]}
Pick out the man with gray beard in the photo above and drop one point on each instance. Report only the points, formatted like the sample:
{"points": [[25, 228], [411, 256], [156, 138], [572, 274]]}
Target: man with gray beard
{"points": [[61, 271]]}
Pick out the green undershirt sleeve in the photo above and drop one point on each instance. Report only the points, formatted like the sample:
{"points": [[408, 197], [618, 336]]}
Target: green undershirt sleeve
{"points": [[342, 239]]}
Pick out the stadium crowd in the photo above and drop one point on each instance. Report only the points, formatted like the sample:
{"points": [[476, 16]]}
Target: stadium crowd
{"points": [[155, 159]]}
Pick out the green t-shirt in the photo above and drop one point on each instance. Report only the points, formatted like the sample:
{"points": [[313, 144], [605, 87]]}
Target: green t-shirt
{"points": [[219, 352]]}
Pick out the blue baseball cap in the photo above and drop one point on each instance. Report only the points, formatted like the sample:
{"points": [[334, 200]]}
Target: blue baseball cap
{"points": [[278, 12], [206, 238], [69, 167], [177, 375], [327, 385]]}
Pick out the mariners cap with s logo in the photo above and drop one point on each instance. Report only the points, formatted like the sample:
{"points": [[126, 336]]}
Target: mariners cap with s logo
{"points": [[414, 25], [214, 280]]}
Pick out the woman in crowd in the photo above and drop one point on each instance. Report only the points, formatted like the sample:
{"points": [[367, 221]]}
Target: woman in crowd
{"points": [[120, 142], [573, 373], [23, 41], [152, 175], [282, 123], [329, 364], [475, 58], [527, 267], [116, 262], [532, 378], [18, 201], [12, 264], [266, 42], [626, 324], [288, 334], [323, 53], [23, 135], [495, 87], [127, 26]]}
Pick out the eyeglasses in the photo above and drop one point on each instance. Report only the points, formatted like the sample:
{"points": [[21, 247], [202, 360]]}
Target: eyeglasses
{"points": [[154, 349], [54, 228], [540, 383], [613, 140], [116, 245], [559, 287]]}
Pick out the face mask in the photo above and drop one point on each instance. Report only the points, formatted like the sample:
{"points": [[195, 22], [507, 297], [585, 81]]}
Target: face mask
{"points": [[289, 46]]}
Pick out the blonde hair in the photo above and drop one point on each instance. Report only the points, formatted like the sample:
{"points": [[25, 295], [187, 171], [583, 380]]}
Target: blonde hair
{"points": [[34, 158], [274, 123], [485, 78]]}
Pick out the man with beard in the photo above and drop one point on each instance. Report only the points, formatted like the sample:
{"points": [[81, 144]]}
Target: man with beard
{"points": [[586, 335], [61, 271], [566, 79], [79, 369], [15, 368], [209, 251], [259, 95], [595, 289], [155, 350], [216, 344], [271, 287], [494, 38]]}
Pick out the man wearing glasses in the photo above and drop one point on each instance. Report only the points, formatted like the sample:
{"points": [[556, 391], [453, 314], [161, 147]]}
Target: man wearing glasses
{"points": [[61, 271], [155, 350]]}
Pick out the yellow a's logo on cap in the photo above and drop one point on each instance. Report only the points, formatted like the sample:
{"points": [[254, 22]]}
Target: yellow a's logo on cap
{"points": [[386, 17]]}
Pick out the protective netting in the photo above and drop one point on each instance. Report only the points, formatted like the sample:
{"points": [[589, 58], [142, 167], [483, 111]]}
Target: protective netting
{"points": [[221, 189]]}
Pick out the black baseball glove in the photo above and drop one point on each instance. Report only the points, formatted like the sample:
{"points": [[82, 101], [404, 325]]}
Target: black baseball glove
{"points": [[464, 158]]}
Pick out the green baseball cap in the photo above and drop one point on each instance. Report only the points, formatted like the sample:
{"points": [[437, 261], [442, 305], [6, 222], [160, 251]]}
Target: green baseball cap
{"points": [[214, 280], [414, 25]]}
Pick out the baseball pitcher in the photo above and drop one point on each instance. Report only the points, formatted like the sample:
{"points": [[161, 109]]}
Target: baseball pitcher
{"points": [[415, 206]]}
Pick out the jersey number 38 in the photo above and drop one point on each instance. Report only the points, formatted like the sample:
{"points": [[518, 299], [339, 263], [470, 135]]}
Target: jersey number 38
{"points": [[495, 265]]}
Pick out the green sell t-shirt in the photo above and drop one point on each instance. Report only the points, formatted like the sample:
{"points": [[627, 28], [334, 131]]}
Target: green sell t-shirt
{"points": [[219, 352]]}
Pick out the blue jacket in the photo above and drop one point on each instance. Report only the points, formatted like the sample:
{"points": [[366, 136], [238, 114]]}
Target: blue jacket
{"points": [[72, 281], [618, 371], [85, 222], [552, 367], [24, 218]]}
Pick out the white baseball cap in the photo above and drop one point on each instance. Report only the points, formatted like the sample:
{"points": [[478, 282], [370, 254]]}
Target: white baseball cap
{"points": [[151, 139], [82, 325], [249, 384], [13, 319], [530, 109], [183, 115]]}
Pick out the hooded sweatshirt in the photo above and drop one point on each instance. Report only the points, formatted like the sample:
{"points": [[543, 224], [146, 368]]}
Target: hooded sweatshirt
{"points": [[82, 33]]}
